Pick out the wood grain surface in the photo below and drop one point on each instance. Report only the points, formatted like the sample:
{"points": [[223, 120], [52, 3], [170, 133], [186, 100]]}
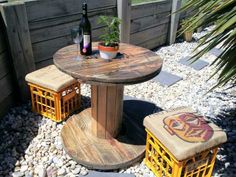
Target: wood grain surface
{"points": [[107, 109], [7, 86], [61, 8], [96, 153], [152, 8], [50, 30], [133, 65], [150, 22]]}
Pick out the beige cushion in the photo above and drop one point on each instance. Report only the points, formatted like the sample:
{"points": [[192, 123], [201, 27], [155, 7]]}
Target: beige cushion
{"points": [[50, 77], [184, 132]]}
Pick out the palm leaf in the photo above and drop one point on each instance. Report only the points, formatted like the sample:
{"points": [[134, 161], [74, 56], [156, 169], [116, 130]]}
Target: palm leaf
{"points": [[223, 14]]}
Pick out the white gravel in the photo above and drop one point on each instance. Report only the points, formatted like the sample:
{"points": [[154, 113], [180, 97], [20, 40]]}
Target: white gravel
{"points": [[31, 145]]}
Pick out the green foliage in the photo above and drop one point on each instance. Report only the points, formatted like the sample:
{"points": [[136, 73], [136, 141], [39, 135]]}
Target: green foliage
{"points": [[184, 2], [112, 31], [184, 23], [142, 1], [222, 13]]}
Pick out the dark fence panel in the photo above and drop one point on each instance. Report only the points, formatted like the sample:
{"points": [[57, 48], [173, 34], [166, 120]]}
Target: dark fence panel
{"points": [[50, 30], [6, 75]]}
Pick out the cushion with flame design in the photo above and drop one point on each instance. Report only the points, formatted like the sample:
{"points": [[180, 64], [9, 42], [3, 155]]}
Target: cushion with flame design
{"points": [[184, 132]]}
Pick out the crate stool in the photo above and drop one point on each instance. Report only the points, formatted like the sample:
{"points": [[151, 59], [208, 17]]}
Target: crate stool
{"points": [[181, 143], [54, 94]]}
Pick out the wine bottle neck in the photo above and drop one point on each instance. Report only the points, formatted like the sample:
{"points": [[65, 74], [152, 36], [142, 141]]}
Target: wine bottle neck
{"points": [[84, 9]]}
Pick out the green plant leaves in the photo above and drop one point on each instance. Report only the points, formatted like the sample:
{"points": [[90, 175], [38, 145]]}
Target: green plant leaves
{"points": [[112, 31], [221, 13]]}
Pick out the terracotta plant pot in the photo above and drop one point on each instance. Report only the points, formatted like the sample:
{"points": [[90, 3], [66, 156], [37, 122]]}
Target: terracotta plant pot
{"points": [[188, 36], [107, 52]]}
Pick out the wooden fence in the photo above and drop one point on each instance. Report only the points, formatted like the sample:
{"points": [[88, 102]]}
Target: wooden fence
{"points": [[150, 23], [50, 31], [6, 75], [36, 29], [186, 14]]}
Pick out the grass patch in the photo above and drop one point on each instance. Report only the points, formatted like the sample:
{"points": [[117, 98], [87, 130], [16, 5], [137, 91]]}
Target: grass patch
{"points": [[141, 1]]}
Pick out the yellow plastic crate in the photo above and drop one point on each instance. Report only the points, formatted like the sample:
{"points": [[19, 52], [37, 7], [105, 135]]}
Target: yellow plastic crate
{"points": [[162, 163], [55, 105]]}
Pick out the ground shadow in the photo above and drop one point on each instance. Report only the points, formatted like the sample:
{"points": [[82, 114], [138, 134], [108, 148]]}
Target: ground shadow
{"points": [[85, 103], [134, 112], [17, 129], [226, 157]]}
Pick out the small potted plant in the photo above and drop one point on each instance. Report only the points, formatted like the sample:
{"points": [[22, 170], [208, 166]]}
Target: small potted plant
{"points": [[189, 32], [109, 45]]}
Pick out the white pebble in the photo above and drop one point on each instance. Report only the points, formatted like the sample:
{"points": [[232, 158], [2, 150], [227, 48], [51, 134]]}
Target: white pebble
{"points": [[61, 171]]}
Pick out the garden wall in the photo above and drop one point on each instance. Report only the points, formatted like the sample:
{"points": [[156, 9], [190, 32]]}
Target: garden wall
{"points": [[150, 23], [6, 75]]}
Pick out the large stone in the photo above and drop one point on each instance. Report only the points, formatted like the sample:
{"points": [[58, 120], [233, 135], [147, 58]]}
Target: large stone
{"points": [[57, 161], [24, 168], [61, 171], [41, 171], [76, 171], [17, 174], [83, 171]]}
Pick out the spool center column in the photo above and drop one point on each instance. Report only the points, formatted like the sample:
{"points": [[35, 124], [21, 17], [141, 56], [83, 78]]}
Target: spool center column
{"points": [[107, 110]]}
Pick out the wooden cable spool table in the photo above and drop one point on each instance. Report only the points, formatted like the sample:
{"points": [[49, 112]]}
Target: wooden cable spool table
{"points": [[96, 137]]}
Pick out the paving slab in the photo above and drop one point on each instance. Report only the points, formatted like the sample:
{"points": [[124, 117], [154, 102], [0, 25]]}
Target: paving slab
{"points": [[127, 97], [108, 174], [197, 65], [166, 78], [216, 51]]}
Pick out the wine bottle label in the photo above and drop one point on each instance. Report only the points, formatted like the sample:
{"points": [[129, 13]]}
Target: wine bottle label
{"points": [[86, 41]]}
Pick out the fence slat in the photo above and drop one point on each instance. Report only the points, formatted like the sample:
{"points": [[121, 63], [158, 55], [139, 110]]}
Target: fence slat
{"points": [[44, 63], [2, 41], [4, 64], [124, 9], [60, 8], [44, 32], [6, 104], [148, 9], [155, 42], [45, 50], [152, 21], [138, 38], [16, 22], [6, 86], [174, 22]]}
